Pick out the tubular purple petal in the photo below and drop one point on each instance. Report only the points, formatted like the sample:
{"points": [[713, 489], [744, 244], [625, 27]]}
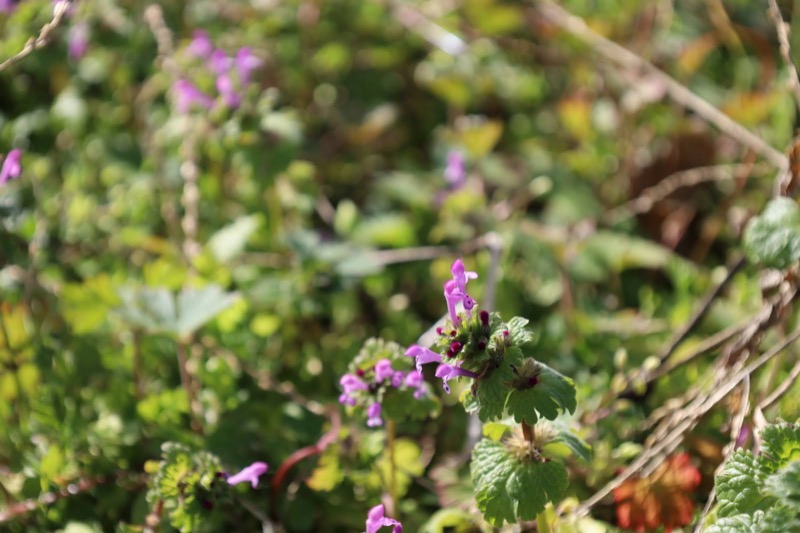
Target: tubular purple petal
{"points": [[383, 370], [423, 356], [377, 520], [11, 166], [374, 415], [249, 473]]}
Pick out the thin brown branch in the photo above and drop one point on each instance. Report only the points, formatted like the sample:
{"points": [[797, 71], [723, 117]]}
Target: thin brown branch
{"points": [[45, 34], [783, 38], [678, 92], [782, 389], [686, 420], [679, 180]]}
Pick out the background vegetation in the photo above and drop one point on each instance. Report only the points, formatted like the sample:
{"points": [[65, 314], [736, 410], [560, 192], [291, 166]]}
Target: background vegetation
{"points": [[206, 276]]}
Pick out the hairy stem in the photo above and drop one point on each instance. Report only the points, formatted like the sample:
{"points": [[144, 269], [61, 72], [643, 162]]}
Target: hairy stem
{"points": [[528, 432]]}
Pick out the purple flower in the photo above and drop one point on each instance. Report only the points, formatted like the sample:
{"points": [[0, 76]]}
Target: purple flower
{"points": [[454, 173], [383, 370], [351, 384], [228, 91], [7, 6], [452, 296], [346, 399], [249, 473], [448, 372], [201, 45], [246, 63], [461, 276], [78, 40], [188, 95], [423, 356], [397, 378], [219, 62], [376, 520], [374, 415], [414, 380], [11, 166]]}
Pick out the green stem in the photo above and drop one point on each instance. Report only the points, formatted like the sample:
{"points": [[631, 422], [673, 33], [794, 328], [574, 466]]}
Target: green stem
{"points": [[390, 437]]}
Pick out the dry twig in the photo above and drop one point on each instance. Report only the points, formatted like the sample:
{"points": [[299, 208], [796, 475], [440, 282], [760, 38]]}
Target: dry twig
{"points": [[685, 178], [677, 91], [45, 34], [783, 39]]}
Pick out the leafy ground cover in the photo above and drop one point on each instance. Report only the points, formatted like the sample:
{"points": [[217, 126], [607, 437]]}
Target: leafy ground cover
{"points": [[472, 265]]}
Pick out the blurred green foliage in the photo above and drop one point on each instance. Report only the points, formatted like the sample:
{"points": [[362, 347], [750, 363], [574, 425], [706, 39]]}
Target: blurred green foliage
{"points": [[318, 201]]}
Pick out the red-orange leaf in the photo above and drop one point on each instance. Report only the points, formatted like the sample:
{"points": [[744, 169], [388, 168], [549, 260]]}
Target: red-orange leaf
{"points": [[661, 499]]}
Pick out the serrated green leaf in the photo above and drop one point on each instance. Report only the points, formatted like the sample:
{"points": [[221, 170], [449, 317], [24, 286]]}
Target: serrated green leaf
{"points": [[780, 444], [552, 395], [785, 485], [739, 484], [492, 389], [519, 334], [508, 489], [741, 523], [773, 237]]}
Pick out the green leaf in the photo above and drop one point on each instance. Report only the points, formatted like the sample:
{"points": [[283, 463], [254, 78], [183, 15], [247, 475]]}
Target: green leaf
{"points": [[156, 310], [519, 334], [492, 389], [85, 306], [780, 444], [741, 523], [773, 237], [495, 430], [328, 473], [198, 306], [575, 444], [785, 485], [508, 489], [230, 241], [552, 395], [739, 483]]}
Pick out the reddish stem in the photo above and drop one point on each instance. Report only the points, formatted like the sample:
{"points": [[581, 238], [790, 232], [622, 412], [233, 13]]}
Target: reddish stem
{"points": [[298, 455]]}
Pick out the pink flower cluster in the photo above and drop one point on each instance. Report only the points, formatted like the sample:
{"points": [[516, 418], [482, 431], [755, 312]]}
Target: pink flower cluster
{"points": [[232, 75], [455, 292], [358, 386]]}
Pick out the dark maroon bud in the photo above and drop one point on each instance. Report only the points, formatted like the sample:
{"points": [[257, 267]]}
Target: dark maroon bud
{"points": [[450, 353], [455, 347], [439, 331], [505, 333], [207, 505], [453, 333], [484, 315], [360, 372], [533, 381], [373, 388], [481, 344]]}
